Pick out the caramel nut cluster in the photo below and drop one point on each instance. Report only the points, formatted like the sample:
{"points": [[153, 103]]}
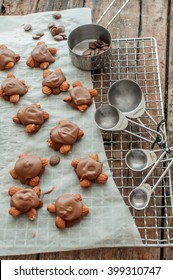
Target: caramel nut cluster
{"points": [[64, 135], [8, 58], [25, 201], [41, 56], [28, 169], [80, 97], [54, 82], [89, 170], [12, 88], [32, 117], [68, 209]]}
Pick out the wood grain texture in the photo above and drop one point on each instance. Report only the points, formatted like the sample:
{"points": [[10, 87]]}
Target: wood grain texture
{"points": [[168, 252], [139, 18]]}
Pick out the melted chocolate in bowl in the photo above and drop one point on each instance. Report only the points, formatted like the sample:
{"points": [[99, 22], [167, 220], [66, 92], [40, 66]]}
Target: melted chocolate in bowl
{"points": [[78, 41]]}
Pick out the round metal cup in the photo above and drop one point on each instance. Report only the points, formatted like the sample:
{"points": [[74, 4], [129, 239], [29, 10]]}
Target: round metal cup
{"points": [[140, 159], [140, 197], [107, 117], [78, 41], [127, 96]]}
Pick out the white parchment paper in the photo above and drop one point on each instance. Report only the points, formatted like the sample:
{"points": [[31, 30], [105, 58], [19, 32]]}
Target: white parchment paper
{"points": [[109, 223]]}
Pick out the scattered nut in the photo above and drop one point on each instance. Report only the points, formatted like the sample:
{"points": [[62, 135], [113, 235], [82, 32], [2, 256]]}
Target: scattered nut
{"points": [[27, 27], [58, 32], [35, 37], [51, 24], [58, 37], [40, 34], [57, 16]]}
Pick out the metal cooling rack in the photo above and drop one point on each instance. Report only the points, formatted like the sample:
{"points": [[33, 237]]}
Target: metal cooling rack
{"points": [[137, 59]]}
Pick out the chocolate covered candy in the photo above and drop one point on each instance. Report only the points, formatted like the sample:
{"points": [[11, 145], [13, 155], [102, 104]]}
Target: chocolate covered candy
{"points": [[89, 170], [54, 82], [12, 88], [8, 58], [68, 209], [32, 117], [64, 135], [41, 56], [24, 201], [80, 97], [28, 169]]}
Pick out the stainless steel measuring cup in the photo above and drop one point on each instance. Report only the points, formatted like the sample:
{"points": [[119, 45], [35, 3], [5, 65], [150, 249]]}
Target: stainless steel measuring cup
{"points": [[78, 42], [110, 118], [80, 37], [128, 97], [107, 117], [140, 159], [140, 196]]}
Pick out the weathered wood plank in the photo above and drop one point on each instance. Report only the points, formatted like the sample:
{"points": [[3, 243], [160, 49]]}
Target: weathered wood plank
{"points": [[19, 7], [154, 24], [168, 252]]}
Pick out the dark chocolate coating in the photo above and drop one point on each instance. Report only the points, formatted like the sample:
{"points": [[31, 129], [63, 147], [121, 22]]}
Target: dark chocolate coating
{"points": [[6, 56], [30, 115], [80, 96], [11, 86], [88, 169], [24, 200], [28, 167], [65, 133], [68, 207], [54, 80], [41, 54]]}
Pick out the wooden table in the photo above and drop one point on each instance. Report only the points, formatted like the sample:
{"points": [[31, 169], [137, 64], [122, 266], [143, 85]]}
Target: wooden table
{"points": [[140, 18]]}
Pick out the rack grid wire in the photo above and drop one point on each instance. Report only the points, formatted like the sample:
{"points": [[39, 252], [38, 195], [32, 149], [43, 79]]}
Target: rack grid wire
{"points": [[137, 59]]}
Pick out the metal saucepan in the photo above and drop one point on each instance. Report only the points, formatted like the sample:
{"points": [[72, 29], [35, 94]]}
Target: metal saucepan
{"points": [[140, 196], [79, 39], [127, 96]]}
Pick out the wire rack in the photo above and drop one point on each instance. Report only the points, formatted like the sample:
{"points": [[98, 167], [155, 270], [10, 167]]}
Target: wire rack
{"points": [[137, 59]]}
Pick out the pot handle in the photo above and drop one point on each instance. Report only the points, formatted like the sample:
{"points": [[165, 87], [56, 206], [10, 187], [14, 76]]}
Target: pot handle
{"points": [[105, 12]]}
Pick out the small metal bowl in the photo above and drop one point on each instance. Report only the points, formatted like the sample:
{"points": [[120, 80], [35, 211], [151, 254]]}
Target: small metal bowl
{"points": [[78, 41]]}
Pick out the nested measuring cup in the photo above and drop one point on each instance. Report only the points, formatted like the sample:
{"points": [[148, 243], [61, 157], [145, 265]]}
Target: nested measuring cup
{"points": [[127, 96], [140, 159], [80, 37], [110, 118], [139, 197]]}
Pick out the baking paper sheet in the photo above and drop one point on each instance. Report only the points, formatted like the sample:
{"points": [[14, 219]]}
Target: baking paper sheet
{"points": [[109, 223]]}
